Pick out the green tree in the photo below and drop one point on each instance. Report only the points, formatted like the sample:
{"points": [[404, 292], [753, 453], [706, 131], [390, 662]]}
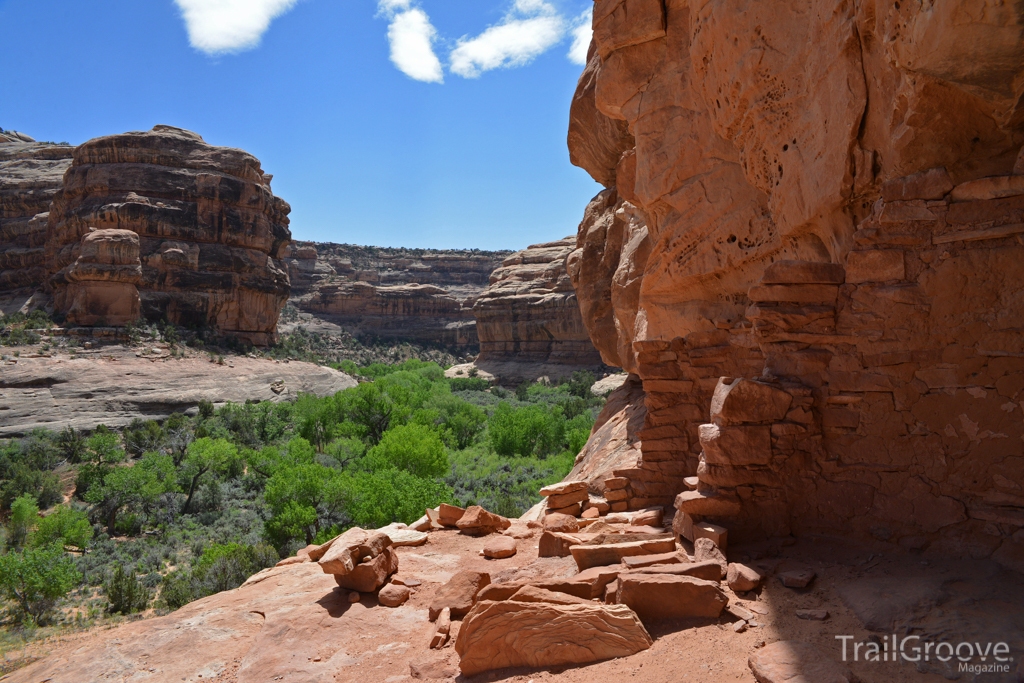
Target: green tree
{"points": [[66, 526], [24, 518], [530, 430], [304, 499], [133, 488], [380, 498], [71, 444], [104, 447], [414, 448], [142, 436], [35, 579], [204, 457]]}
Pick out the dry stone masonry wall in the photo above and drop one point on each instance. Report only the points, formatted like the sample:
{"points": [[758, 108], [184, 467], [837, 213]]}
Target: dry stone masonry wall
{"points": [[808, 256]]}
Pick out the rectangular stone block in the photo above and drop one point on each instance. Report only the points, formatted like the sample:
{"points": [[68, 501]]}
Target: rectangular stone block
{"points": [[877, 265], [718, 534], [736, 445], [809, 294]]}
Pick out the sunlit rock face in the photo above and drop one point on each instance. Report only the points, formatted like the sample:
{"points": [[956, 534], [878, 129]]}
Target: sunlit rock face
{"points": [[824, 200], [529, 313], [31, 173], [210, 229]]}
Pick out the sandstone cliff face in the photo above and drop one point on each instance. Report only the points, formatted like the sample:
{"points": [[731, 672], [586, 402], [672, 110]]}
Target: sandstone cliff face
{"points": [[30, 175], [530, 314], [420, 295], [823, 200], [210, 230]]}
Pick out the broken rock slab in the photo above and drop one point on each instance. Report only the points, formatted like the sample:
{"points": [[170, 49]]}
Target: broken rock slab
{"points": [[666, 596], [788, 661], [371, 573], [402, 536], [477, 521], [343, 553], [459, 594], [496, 635], [705, 550], [742, 578], [608, 549]]}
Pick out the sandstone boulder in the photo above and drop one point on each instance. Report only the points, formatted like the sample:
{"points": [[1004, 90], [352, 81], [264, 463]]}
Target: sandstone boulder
{"points": [[666, 596], [401, 535], [343, 553], [741, 578], [477, 521], [393, 595], [499, 547], [371, 573], [705, 550], [559, 522], [459, 594], [496, 635], [449, 515]]}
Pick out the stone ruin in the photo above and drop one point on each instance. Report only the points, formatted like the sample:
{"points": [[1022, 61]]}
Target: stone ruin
{"points": [[809, 260]]}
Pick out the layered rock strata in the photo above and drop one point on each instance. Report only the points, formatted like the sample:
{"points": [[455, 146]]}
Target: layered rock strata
{"points": [[530, 314], [30, 175], [420, 295], [835, 222], [210, 229]]}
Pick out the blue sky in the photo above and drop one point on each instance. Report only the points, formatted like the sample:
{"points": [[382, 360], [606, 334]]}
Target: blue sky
{"points": [[421, 123]]}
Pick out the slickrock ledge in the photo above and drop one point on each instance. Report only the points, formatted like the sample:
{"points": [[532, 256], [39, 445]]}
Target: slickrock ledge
{"points": [[113, 386]]}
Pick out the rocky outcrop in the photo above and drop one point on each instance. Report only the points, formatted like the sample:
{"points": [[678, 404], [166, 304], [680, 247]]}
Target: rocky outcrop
{"points": [[421, 295], [210, 230], [835, 221], [30, 175], [529, 313], [115, 385], [102, 281]]}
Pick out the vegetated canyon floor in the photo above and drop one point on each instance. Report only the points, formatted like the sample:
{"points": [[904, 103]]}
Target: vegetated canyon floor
{"points": [[292, 623]]}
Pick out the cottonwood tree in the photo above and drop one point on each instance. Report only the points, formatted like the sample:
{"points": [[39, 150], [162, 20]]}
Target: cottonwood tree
{"points": [[204, 458]]}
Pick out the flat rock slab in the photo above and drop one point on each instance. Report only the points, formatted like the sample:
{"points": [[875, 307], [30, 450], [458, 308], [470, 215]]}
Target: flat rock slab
{"points": [[401, 535], [665, 596], [449, 515], [496, 635], [588, 556], [563, 487], [459, 594], [114, 387], [788, 661]]}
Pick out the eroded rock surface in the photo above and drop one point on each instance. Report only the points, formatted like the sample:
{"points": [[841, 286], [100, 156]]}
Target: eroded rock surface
{"points": [[837, 221], [420, 295], [210, 229], [529, 315], [113, 386], [31, 174]]}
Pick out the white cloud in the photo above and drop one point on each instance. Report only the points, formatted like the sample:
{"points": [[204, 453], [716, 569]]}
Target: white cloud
{"points": [[411, 37], [217, 26], [531, 28], [581, 35]]}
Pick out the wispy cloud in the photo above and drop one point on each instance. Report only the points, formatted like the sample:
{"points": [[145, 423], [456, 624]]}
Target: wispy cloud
{"points": [[581, 32], [218, 26], [531, 28], [411, 37]]}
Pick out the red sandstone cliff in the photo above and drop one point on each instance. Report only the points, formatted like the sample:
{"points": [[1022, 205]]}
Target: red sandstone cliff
{"points": [[422, 295], [210, 230], [30, 175], [529, 314], [823, 201]]}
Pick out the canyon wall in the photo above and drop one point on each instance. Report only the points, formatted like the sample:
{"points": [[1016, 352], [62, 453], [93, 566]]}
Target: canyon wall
{"points": [[210, 233], [420, 295], [31, 174], [807, 253], [529, 315]]}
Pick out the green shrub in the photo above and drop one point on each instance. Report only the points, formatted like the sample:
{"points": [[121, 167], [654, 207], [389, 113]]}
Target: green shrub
{"points": [[531, 430], [125, 593], [66, 526], [469, 384], [24, 518]]}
